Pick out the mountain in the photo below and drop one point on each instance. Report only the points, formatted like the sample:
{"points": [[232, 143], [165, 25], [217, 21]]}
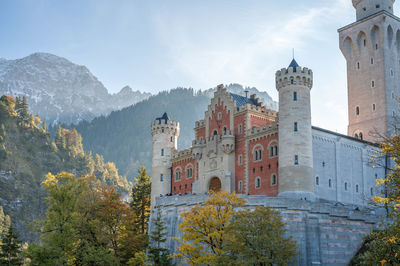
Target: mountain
{"points": [[59, 90], [28, 153], [124, 136]]}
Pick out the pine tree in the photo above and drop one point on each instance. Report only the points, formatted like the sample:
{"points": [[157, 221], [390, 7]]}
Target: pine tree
{"points": [[10, 249], [159, 255], [5, 223], [141, 199], [24, 108], [60, 138]]}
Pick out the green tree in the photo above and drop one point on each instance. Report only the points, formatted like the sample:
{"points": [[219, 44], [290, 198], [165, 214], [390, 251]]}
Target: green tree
{"points": [[204, 230], [158, 254], [141, 199], [11, 249], [257, 238], [58, 233], [60, 139], [24, 109], [139, 259], [5, 223]]}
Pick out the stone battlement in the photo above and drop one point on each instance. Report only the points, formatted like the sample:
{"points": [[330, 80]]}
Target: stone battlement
{"points": [[260, 130], [164, 126], [182, 154], [299, 75], [200, 123]]}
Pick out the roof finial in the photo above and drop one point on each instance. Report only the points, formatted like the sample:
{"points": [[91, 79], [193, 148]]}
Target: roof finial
{"points": [[293, 53]]}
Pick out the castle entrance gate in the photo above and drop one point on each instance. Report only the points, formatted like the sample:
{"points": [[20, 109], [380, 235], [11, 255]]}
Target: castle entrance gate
{"points": [[215, 184]]}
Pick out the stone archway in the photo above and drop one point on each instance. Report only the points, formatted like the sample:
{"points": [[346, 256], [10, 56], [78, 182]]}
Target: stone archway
{"points": [[215, 184]]}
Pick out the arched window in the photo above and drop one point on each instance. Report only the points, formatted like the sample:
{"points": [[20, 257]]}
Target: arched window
{"points": [[372, 61], [295, 96], [219, 116], [372, 84], [258, 182], [257, 152], [240, 159], [373, 107], [345, 186], [273, 149], [178, 175], [240, 186], [361, 135], [356, 136], [291, 81], [357, 188], [215, 132], [225, 130], [274, 180], [240, 129], [330, 183], [189, 172], [358, 65], [162, 130], [317, 180], [357, 110]]}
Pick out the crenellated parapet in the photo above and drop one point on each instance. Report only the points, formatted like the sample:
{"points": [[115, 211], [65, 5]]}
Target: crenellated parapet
{"points": [[267, 130], [200, 124], [294, 76], [160, 126], [182, 155]]}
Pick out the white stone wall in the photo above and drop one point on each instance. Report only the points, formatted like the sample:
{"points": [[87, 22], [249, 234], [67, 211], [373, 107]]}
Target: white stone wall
{"points": [[343, 160], [365, 8]]}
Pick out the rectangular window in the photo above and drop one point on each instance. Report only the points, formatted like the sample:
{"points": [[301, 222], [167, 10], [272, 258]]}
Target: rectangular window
{"points": [[240, 186], [295, 127], [161, 177], [162, 152], [296, 160], [295, 96]]}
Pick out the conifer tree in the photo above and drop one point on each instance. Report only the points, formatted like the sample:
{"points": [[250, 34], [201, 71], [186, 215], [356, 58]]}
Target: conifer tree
{"points": [[10, 249], [5, 223], [159, 255], [141, 199], [24, 109], [60, 138]]}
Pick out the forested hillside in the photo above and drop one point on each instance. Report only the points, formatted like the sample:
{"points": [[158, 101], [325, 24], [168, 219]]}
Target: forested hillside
{"points": [[28, 153]]}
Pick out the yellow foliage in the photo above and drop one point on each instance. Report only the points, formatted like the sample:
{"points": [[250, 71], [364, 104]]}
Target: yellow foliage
{"points": [[203, 229]]}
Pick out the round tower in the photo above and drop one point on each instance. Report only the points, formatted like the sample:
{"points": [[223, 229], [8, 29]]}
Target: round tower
{"points": [[365, 8], [165, 134], [295, 137]]}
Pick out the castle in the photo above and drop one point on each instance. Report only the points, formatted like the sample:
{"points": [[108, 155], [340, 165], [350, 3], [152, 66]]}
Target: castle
{"points": [[322, 182]]}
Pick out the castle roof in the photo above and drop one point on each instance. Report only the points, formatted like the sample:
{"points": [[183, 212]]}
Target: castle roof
{"points": [[240, 100], [294, 64], [163, 117]]}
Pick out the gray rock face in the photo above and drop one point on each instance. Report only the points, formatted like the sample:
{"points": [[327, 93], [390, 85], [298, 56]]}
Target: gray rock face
{"points": [[60, 90]]}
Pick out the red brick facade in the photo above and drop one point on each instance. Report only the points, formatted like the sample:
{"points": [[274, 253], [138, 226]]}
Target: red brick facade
{"points": [[247, 139]]}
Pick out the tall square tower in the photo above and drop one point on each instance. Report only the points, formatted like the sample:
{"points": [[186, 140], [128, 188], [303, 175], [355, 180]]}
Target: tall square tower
{"points": [[371, 46]]}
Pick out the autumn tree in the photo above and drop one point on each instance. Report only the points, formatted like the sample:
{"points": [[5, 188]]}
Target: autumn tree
{"points": [[10, 249], [157, 254], [141, 199], [384, 245], [257, 238], [204, 230], [58, 231]]}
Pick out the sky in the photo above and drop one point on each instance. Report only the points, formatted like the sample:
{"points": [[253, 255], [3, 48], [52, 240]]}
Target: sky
{"points": [[162, 44]]}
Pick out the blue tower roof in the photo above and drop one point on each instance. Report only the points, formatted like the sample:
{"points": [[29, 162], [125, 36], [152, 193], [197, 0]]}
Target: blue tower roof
{"points": [[294, 64], [164, 117]]}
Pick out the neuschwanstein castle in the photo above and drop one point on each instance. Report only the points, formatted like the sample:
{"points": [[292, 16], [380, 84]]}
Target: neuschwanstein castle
{"points": [[322, 182]]}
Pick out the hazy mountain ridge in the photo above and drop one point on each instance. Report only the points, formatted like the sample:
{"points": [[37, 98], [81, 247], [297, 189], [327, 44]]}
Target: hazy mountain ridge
{"points": [[60, 90]]}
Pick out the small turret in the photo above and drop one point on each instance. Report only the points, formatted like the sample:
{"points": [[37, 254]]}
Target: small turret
{"points": [[366, 8], [165, 134], [295, 137]]}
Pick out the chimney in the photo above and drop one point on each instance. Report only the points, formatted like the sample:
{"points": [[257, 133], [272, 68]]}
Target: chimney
{"points": [[246, 92]]}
